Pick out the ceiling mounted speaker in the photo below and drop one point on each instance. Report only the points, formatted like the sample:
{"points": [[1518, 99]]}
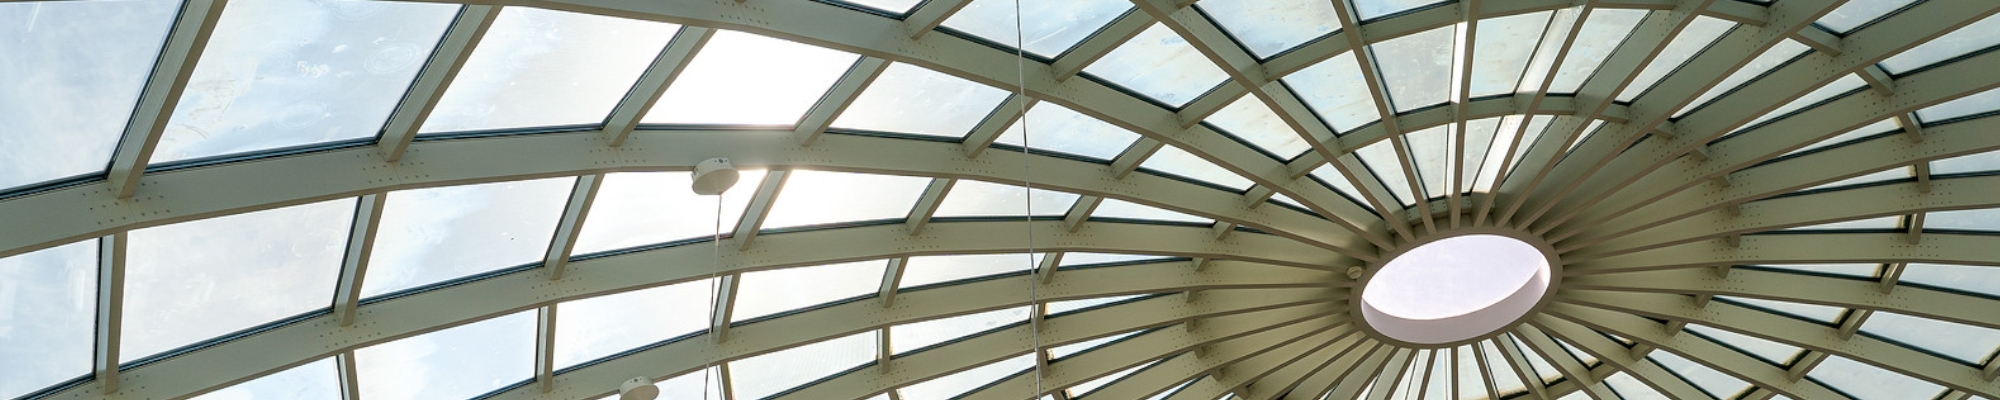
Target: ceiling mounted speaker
{"points": [[638, 388], [714, 176]]}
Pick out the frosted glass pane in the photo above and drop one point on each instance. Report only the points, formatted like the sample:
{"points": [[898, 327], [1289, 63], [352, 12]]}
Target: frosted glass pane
{"points": [[741, 78], [455, 363], [1161, 65], [1416, 69], [318, 380], [1853, 14], [970, 198], [1383, 162], [817, 197], [1974, 37], [1968, 220], [1268, 27], [540, 67], [642, 208], [925, 270], [1501, 51], [1249, 119], [1047, 27], [1059, 307], [913, 100], [906, 337], [1173, 160], [768, 374], [193, 281], [775, 291], [1771, 352], [1336, 90], [437, 234], [1115, 208], [1778, 55], [596, 327], [1602, 33], [1086, 387], [1692, 40], [1063, 351], [48, 314], [1371, 9], [950, 386], [1811, 312], [1980, 103], [1051, 127], [95, 56], [1867, 382], [1964, 343]]}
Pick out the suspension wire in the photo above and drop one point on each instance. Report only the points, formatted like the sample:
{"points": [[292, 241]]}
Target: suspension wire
{"points": [[1028, 194], [715, 268]]}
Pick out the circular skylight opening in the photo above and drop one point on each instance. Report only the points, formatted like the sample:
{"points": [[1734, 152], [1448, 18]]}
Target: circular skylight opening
{"points": [[1455, 289]]}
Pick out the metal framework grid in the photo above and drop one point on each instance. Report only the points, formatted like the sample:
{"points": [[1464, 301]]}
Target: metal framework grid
{"points": [[1649, 216]]}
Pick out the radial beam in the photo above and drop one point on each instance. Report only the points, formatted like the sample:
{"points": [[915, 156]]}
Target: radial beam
{"points": [[666, 67], [570, 226], [1638, 366], [422, 97], [1804, 248], [110, 310], [1097, 45], [1819, 339], [460, 303], [927, 204], [996, 124], [185, 41], [1700, 350], [1366, 357], [1731, 157], [1756, 98], [844, 92], [189, 194], [1222, 346], [354, 262], [1809, 289], [930, 14]]}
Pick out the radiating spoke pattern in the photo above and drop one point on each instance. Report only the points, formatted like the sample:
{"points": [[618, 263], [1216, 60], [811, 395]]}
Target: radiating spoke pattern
{"points": [[1101, 199]]}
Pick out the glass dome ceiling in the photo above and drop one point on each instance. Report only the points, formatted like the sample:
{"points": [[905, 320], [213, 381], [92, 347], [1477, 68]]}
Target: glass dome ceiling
{"points": [[336, 199]]}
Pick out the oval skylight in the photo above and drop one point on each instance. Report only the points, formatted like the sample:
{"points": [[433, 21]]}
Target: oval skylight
{"points": [[1455, 288]]}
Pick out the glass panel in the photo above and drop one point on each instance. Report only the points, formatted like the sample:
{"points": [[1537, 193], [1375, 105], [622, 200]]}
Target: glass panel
{"points": [[1553, 38], [1269, 27], [437, 234], [1416, 69], [1965, 343], [1965, 220], [1060, 307], [1629, 388], [596, 327], [1173, 160], [540, 67], [1249, 119], [892, 6], [1866, 382], [1602, 33], [193, 281], [1692, 40], [818, 197], [906, 337], [317, 380], [925, 270], [1115, 208], [1502, 49], [1976, 279], [1371, 9], [1383, 162], [911, 99], [642, 208], [1541, 366], [1471, 377], [775, 291], [1159, 64], [1496, 158], [1890, 222], [970, 198], [1336, 90], [1853, 14], [1879, 127], [1844, 85], [1432, 154], [1779, 54], [768, 374], [1872, 177], [1478, 138], [1334, 179], [1979, 162], [1086, 387], [1983, 102], [745, 79], [1771, 352], [1059, 129], [1052, 26], [1810, 312], [1974, 37], [282, 73], [53, 139], [1069, 259], [1715, 383], [1504, 379], [48, 314], [950, 386], [455, 363], [1853, 270]]}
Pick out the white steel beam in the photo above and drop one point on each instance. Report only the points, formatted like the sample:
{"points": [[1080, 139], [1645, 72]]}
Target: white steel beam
{"points": [[1371, 73], [1517, 362], [927, 205], [185, 41], [1564, 362], [836, 99], [457, 45], [930, 14], [665, 69], [354, 263], [1694, 348], [1638, 366], [995, 124], [1534, 102], [1798, 288], [582, 194], [1106, 39], [1367, 357], [759, 207], [545, 348], [110, 310]]}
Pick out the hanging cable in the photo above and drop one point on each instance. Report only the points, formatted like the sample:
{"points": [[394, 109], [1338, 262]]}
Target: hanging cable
{"points": [[714, 269], [1028, 184]]}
